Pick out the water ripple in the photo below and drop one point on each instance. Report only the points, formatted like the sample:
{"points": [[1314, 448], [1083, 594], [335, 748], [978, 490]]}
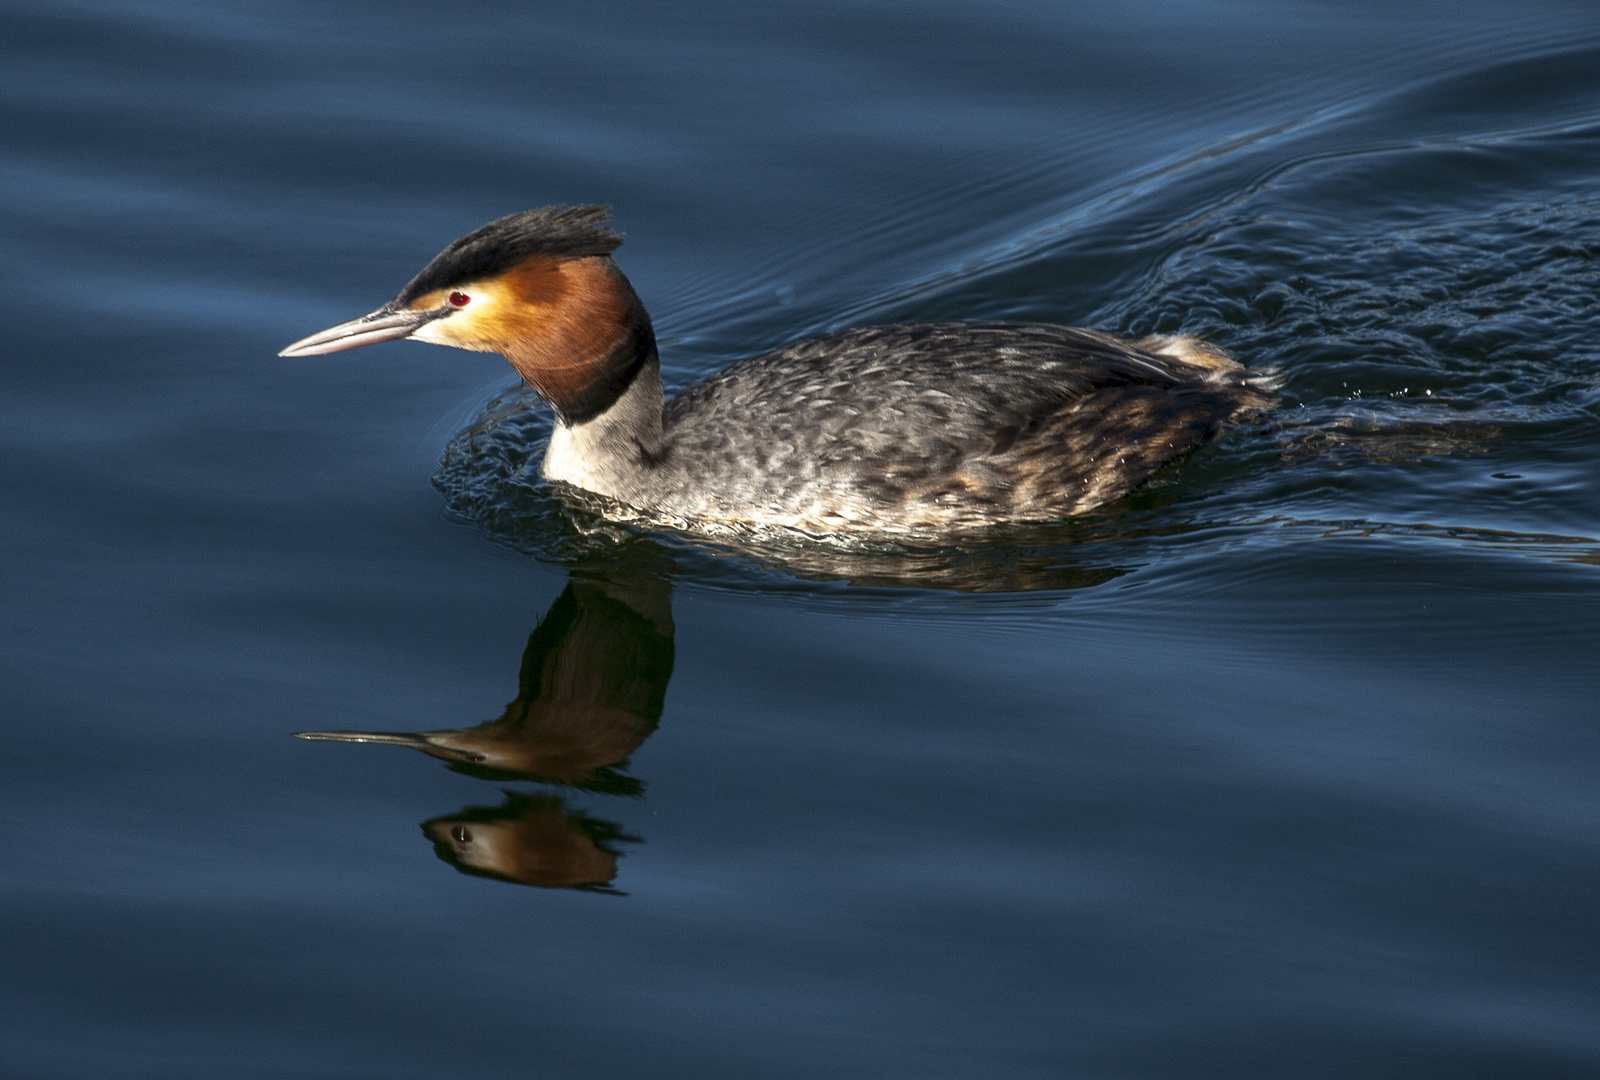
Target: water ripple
{"points": [[1440, 347]]}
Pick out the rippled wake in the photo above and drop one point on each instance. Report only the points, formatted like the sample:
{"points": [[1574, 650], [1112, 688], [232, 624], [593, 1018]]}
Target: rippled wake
{"points": [[1433, 304]]}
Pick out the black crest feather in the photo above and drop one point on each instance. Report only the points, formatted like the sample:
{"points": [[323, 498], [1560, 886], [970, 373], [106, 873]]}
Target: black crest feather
{"points": [[551, 230]]}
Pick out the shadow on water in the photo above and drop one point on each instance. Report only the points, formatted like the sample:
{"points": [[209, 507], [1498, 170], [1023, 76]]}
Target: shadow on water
{"points": [[590, 692]]}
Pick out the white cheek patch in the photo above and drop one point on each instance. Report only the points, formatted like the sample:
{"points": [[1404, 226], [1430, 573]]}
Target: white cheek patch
{"points": [[461, 328], [454, 330], [433, 332]]}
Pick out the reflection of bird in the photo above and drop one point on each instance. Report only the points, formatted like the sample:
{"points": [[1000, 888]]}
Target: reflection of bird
{"points": [[593, 681], [532, 840], [915, 429]]}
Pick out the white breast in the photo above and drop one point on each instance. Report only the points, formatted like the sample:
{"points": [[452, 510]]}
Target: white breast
{"points": [[577, 457]]}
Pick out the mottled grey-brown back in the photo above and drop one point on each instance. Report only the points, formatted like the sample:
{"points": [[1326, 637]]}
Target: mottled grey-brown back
{"points": [[931, 427]]}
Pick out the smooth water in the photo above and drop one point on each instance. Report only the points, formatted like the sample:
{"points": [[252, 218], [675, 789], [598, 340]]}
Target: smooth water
{"points": [[1285, 766]]}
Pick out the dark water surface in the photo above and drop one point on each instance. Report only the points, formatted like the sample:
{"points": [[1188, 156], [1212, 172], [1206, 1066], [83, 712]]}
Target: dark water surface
{"points": [[1287, 766]]}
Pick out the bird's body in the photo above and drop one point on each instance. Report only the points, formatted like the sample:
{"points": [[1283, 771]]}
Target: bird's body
{"points": [[902, 430], [910, 429]]}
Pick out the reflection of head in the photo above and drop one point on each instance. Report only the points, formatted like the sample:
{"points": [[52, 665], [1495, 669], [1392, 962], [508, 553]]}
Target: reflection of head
{"points": [[593, 681], [530, 840]]}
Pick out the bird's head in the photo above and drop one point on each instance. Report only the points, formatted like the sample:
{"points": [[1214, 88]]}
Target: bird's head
{"points": [[538, 287]]}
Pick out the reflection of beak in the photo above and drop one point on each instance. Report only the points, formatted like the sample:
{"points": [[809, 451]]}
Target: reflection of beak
{"points": [[381, 325], [419, 741]]}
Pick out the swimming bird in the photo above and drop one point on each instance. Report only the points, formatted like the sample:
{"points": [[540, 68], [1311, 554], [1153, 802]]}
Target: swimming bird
{"points": [[906, 430]]}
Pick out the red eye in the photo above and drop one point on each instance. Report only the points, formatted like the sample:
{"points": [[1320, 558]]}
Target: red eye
{"points": [[459, 299]]}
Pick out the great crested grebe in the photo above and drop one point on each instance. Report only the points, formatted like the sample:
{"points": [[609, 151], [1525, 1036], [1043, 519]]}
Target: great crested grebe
{"points": [[904, 430]]}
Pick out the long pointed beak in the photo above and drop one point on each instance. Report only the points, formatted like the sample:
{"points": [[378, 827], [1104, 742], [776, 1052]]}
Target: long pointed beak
{"points": [[381, 325]]}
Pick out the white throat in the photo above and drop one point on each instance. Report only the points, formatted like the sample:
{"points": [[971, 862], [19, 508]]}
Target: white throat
{"points": [[608, 453]]}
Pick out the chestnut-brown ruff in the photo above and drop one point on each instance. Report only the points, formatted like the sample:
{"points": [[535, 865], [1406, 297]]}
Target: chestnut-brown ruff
{"points": [[571, 325]]}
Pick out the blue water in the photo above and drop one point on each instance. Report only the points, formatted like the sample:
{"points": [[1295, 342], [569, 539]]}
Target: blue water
{"points": [[1285, 766]]}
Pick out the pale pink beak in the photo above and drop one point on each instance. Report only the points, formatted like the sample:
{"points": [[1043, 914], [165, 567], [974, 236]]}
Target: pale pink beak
{"points": [[381, 325]]}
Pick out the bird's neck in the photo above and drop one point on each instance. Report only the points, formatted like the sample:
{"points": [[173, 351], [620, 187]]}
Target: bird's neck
{"points": [[614, 451], [592, 346]]}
